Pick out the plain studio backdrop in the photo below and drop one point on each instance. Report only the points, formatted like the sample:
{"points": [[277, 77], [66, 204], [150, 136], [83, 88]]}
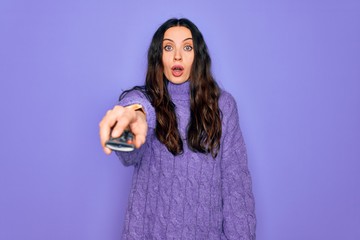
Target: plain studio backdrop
{"points": [[293, 67]]}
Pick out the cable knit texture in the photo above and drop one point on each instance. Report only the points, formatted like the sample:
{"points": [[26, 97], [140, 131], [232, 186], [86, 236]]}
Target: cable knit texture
{"points": [[190, 196]]}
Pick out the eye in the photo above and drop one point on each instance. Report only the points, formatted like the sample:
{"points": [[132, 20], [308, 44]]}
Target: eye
{"points": [[188, 48], [168, 48]]}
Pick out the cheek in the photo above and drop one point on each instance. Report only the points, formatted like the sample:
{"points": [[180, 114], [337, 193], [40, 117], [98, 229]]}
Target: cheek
{"points": [[190, 59], [191, 62], [166, 59]]}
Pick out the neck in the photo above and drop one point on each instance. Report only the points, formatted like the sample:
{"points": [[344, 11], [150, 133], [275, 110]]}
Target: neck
{"points": [[179, 91]]}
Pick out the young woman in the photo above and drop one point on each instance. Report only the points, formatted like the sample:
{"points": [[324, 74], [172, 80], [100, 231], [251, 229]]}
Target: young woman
{"points": [[191, 178]]}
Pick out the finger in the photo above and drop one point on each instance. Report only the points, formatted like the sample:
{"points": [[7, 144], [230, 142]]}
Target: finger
{"points": [[139, 140], [105, 149], [106, 124], [123, 123], [140, 137], [139, 129], [104, 132], [119, 128], [108, 151]]}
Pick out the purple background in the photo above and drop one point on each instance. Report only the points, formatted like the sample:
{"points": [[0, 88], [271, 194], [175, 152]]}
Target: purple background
{"points": [[293, 66]]}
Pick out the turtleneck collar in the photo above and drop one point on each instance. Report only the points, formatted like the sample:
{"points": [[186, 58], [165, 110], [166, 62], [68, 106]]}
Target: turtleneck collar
{"points": [[179, 91]]}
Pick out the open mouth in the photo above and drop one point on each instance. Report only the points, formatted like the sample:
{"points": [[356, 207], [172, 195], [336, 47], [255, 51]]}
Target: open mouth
{"points": [[177, 70]]}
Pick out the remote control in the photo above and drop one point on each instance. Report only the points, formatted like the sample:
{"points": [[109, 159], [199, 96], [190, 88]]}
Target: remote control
{"points": [[123, 143]]}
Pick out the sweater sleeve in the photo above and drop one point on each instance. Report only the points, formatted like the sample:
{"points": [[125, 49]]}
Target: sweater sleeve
{"points": [[133, 97], [239, 220]]}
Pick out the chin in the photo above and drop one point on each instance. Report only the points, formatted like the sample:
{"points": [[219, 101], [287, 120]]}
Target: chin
{"points": [[177, 80]]}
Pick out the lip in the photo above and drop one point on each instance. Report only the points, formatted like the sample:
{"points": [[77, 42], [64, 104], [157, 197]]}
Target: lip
{"points": [[177, 70]]}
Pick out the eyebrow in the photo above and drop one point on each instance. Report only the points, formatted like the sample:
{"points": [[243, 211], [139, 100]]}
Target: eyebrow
{"points": [[168, 39]]}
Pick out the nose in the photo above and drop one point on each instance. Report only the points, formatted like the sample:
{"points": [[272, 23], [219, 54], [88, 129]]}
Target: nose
{"points": [[177, 55]]}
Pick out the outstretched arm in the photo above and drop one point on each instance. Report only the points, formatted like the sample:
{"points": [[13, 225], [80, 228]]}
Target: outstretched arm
{"points": [[122, 117]]}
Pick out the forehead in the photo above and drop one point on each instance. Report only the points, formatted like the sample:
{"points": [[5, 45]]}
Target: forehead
{"points": [[177, 33]]}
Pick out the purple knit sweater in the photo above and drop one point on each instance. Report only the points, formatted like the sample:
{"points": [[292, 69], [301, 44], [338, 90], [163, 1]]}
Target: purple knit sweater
{"points": [[192, 195]]}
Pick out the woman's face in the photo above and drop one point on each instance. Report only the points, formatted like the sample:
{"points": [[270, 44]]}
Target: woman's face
{"points": [[177, 54]]}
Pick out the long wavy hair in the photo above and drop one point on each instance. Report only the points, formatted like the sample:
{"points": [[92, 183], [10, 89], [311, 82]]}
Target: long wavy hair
{"points": [[204, 129]]}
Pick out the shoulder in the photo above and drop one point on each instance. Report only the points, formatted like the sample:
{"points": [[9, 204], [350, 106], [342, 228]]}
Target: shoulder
{"points": [[135, 92], [227, 102], [229, 111], [134, 95]]}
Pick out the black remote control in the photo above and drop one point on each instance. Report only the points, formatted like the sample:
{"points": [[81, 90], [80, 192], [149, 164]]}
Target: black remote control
{"points": [[123, 143]]}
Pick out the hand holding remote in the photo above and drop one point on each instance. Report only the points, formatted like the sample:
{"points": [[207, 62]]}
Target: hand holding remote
{"points": [[117, 120]]}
